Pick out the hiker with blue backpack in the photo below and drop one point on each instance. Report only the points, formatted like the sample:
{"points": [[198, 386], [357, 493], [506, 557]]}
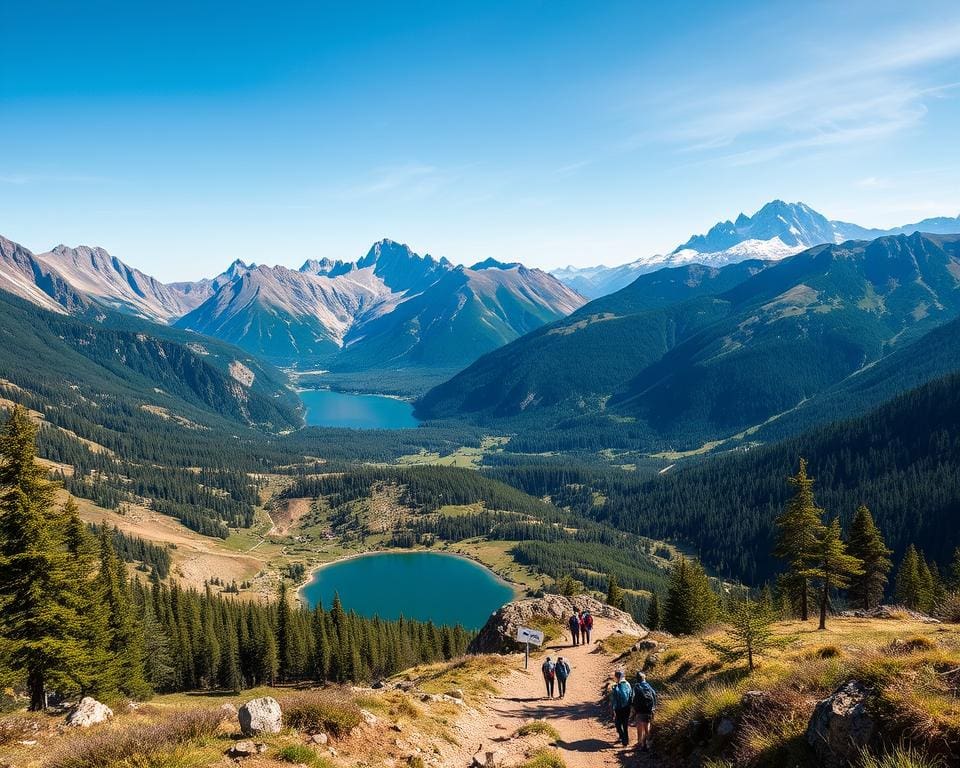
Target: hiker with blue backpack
{"points": [[621, 697], [644, 704], [563, 672], [549, 670]]}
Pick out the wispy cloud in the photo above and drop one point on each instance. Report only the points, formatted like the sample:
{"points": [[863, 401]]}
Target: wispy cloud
{"points": [[410, 180], [864, 95]]}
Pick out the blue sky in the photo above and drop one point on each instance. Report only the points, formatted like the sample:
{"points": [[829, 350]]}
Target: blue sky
{"points": [[183, 135]]}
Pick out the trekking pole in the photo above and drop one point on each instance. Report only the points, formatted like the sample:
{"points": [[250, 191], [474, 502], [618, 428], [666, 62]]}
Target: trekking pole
{"points": [[526, 655]]}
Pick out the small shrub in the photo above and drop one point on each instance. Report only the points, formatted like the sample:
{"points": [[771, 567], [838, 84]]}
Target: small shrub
{"points": [[17, 729], [538, 727], [823, 652], [668, 657], [949, 608], [545, 758], [329, 710], [146, 746], [297, 753]]}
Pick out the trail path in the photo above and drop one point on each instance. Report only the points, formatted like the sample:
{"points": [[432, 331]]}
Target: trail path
{"points": [[587, 735]]}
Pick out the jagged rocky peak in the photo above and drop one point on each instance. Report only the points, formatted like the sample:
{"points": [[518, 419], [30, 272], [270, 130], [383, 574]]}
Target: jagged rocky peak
{"points": [[325, 266], [492, 263]]}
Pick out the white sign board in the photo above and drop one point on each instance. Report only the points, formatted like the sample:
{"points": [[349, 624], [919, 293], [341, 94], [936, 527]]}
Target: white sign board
{"points": [[527, 635]]}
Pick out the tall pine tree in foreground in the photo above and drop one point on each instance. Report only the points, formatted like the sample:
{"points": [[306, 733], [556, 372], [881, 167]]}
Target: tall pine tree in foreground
{"points": [[832, 567], [866, 544], [799, 529], [40, 628]]}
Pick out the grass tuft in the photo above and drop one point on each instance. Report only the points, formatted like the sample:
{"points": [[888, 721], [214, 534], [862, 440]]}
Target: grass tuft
{"points": [[330, 710], [536, 727], [900, 758], [545, 758]]}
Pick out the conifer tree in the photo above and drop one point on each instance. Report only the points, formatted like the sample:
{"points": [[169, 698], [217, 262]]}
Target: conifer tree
{"points": [[832, 567], [691, 604], [159, 669], [908, 589], [653, 612], [866, 543], [40, 629], [615, 595], [954, 574], [749, 635], [925, 603], [126, 635], [799, 529], [284, 635]]}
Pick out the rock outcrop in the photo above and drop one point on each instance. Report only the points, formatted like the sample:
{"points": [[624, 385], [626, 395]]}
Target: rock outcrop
{"points": [[499, 633], [841, 725], [89, 712], [893, 612], [260, 716]]}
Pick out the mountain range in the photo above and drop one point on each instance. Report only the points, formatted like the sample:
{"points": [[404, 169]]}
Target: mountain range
{"points": [[391, 308], [774, 232], [688, 355]]}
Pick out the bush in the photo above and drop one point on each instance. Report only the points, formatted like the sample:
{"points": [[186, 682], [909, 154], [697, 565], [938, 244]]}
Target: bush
{"points": [[538, 727], [297, 753], [545, 758], [949, 608], [332, 711], [146, 745]]}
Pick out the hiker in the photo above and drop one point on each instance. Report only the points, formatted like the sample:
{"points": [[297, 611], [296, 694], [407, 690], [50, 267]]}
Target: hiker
{"points": [[549, 670], [575, 628], [563, 672], [621, 696], [586, 627], [644, 704]]}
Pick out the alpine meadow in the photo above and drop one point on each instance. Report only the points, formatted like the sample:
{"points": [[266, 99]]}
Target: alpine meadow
{"points": [[503, 386]]}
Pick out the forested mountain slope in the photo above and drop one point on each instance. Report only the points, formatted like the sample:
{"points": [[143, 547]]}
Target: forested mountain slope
{"points": [[902, 460], [707, 368]]}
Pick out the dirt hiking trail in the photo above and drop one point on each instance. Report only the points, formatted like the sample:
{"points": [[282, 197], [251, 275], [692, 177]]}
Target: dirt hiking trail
{"points": [[587, 735]]}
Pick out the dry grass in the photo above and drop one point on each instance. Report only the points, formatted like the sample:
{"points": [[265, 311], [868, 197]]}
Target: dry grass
{"points": [[914, 667], [331, 710], [536, 728], [19, 727], [618, 643], [476, 676], [545, 758], [163, 743]]}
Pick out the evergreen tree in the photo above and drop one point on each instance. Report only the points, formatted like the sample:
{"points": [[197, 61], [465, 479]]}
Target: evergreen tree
{"points": [[40, 628], [750, 633], [908, 590], [691, 604], [126, 634], [866, 543], [653, 612], [284, 635], [925, 602], [954, 575], [158, 668], [615, 595], [799, 529], [832, 567]]}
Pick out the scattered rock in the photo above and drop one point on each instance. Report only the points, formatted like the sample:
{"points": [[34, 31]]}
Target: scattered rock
{"points": [[228, 710], [646, 645], [89, 712], [377, 685], [368, 717], [406, 685], [332, 752], [259, 716], [754, 699], [320, 738], [724, 728], [398, 727], [456, 693], [247, 749], [841, 727], [890, 612], [651, 661], [497, 635]]}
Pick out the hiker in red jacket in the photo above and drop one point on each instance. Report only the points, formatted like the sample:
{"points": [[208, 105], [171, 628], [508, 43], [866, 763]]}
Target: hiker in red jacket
{"points": [[586, 626]]}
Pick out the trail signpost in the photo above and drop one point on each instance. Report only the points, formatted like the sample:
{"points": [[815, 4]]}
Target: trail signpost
{"points": [[528, 636]]}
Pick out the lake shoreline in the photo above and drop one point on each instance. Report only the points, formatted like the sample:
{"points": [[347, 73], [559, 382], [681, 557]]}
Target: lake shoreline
{"points": [[518, 591]]}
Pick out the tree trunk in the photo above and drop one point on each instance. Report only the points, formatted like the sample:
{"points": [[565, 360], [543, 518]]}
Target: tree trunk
{"points": [[823, 604], [804, 608], [38, 698]]}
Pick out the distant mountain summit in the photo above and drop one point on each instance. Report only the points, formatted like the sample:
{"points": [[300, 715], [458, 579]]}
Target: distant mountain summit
{"points": [[777, 230], [433, 311]]}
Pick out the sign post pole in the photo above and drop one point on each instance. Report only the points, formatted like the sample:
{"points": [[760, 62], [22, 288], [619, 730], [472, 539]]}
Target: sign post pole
{"points": [[526, 636], [526, 656]]}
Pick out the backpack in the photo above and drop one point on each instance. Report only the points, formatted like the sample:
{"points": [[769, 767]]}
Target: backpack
{"points": [[549, 670], [622, 695], [588, 621], [644, 698], [563, 670]]}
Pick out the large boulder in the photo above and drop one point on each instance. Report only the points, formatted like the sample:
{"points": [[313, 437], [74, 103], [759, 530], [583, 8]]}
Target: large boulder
{"points": [[260, 716], [499, 633], [841, 725], [89, 712]]}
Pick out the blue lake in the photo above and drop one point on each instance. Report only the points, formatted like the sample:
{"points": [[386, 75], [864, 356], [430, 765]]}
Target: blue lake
{"points": [[326, 408], [430, 586]]}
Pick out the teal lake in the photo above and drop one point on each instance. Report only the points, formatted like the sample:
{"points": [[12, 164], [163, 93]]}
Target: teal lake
{"points": [[326, 408], [430, 586]]}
